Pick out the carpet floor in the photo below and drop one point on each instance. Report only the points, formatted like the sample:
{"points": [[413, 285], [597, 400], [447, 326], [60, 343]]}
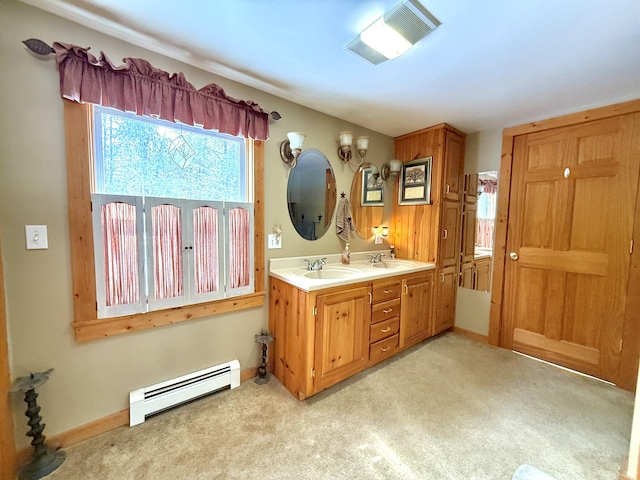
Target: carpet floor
{"points": [[449, 408]]}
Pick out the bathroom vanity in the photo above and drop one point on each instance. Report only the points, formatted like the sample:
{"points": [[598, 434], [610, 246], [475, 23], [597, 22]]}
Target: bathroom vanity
{"points": [[331, 323]]}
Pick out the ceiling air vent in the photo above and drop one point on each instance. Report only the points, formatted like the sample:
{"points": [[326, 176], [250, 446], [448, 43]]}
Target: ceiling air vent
{"points": [[409, 18]]}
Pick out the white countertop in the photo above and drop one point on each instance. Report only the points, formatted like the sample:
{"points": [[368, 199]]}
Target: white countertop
{"points": [[481, 253], [293, 270]]}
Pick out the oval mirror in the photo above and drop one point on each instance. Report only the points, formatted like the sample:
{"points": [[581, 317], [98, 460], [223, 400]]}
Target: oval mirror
{"points": [[311, 194], [367, 205]]}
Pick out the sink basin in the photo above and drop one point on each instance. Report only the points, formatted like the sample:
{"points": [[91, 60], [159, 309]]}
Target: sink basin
{"points": [[329, 273], [394, 264]]}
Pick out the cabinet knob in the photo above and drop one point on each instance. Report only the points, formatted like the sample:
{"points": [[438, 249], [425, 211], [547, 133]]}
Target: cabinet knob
{"points": [[387, 310], [385, 330], [513, 256], [445, 234], [386, 349]]}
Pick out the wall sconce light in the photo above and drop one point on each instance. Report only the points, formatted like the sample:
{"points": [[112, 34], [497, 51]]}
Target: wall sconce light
{"points": [[391, 170], [380, 233], [346, 143], [290, 149], [375, 174]]}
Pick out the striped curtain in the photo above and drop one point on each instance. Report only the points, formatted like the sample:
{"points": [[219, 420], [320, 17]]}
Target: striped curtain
{"points": [[167, 251], [205, 249], [484, 235], [239, 247], [120, 246]]}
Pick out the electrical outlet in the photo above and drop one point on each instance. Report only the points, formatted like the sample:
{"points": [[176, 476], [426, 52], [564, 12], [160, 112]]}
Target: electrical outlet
{"points": [[275, 241], [36, 237]]}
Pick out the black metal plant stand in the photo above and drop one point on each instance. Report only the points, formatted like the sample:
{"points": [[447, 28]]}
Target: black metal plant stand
{"points": [[265, 339], [43, 461]]}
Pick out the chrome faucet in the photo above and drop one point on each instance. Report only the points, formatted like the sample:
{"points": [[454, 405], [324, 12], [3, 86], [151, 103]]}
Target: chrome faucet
{"points": [[316, 264], [377, 258]]}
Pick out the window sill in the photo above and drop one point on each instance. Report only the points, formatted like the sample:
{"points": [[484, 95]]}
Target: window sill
{"points": [[107, 327]]}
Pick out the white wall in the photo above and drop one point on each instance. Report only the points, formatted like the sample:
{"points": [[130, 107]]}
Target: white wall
{"points": [[482, 154]]}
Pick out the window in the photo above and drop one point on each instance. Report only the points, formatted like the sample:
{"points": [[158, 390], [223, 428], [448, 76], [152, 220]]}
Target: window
{"points": [[174, 233], [162, 217]]}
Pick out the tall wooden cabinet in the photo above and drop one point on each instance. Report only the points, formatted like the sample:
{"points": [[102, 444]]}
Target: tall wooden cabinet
{"points": [[431, 233]]}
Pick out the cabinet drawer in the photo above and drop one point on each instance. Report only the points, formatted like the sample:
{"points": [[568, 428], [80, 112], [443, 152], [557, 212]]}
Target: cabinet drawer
{"points": [[387, 291], [383, 311], [384, 329], [383, 349]]}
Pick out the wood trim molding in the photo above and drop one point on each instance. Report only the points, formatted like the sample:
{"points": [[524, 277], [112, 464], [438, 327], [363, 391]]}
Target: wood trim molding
{"points": [[478, 337], [100, 426], [7, 440], [575, 118], [107, 327]]}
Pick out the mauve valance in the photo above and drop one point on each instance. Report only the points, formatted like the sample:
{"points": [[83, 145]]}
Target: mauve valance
{"points": [[139, 87]]}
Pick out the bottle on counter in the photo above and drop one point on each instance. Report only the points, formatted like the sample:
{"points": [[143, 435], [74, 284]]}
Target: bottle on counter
{"points": [[393, 251], [346, 255]]}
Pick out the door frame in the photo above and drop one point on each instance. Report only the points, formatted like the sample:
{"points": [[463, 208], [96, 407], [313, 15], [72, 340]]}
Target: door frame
{"points": [[7, 440], [628, 370]]}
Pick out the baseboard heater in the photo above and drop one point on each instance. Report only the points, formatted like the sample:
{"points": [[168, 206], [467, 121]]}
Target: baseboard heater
{"points": [[161, 396]]}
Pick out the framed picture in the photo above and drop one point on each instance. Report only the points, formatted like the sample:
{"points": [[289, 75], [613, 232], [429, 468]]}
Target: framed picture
{"points": [[415, 182], [372, 189]]}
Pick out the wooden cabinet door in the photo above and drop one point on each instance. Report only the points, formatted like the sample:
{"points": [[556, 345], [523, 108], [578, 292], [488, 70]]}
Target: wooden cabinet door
{"points": [[471, 188], [453, 162], [482, 275], [466, 275], [416, 308], [571, 214], [468, 236], [342, 335], [446, 286], [449, 240]]}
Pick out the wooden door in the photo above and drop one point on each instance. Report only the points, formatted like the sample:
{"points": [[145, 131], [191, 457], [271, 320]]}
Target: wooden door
{"points": [[449, 239], [342, 335], [453, 161], [446, 286], [415, 312], [330, 197], [570, 227]]}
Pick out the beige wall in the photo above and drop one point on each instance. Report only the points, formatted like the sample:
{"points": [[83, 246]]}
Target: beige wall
{"points": [[482, 154], [93, 379]]}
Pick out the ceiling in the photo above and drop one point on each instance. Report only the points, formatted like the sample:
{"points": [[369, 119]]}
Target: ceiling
{"points": [[491, 64]]}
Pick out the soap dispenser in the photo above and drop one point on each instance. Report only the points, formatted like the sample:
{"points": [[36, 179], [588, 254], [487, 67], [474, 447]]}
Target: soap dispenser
{"points": [[346, 255]]}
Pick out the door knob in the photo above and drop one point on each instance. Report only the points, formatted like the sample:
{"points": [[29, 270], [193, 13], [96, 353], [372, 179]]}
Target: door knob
{"points": [[513, 256]]}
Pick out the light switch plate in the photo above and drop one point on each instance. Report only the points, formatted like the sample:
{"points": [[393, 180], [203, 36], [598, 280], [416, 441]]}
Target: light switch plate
{"points": [[36, 237], [274, 241]]}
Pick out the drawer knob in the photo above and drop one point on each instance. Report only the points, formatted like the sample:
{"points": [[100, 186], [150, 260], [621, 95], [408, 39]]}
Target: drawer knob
{"points": [[387, 310], [386, 349], [388, 291], [385, 330]]}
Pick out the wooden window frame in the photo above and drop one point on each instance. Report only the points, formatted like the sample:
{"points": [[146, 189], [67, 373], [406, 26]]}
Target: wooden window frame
{"points": [[86, 325]]}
